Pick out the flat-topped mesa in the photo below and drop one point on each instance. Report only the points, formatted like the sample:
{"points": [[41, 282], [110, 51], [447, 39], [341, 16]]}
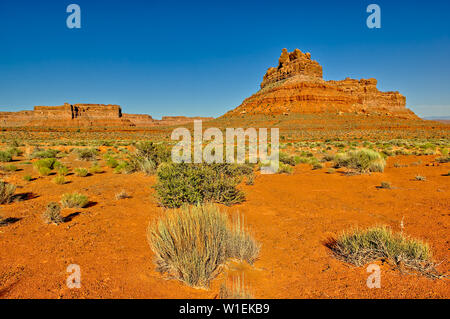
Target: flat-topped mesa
{"points": [[292, 64], [297, 86]]}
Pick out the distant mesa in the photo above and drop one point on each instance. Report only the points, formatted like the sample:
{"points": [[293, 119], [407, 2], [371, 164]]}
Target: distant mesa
{"points": [[86, 115], [296, 85]]}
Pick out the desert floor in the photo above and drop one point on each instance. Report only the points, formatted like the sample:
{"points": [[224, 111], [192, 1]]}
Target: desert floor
{"points": [[292, 216]]}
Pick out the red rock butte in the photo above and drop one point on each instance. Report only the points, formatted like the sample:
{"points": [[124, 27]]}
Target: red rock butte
{"points": [[296, 85], [86, 115]]}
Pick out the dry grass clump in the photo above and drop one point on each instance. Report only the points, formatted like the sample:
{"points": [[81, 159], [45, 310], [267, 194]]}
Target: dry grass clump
{"points": [[362, 160], [6, 192], [74, 200], [420, 178], [122, 195], [360, 247], [235, 290], [81, 172], [60, 180], [52, 215], [193, 243]]}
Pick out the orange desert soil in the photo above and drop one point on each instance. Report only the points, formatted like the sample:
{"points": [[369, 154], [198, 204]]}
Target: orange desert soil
{"points": [[291, 215]]}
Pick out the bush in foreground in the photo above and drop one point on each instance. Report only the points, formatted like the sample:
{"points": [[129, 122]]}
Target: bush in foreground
{"points": [[193, 243], [198, 183], [361, 247]]}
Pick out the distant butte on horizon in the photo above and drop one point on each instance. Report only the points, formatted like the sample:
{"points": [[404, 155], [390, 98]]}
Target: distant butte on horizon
{"points": [[296, 85]]}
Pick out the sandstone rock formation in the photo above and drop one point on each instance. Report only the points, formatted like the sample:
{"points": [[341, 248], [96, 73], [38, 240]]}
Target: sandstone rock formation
{"points": [[85, 115], [297, 86]]}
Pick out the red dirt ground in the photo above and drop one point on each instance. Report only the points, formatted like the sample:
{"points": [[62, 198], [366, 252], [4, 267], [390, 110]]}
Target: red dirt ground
{"points": [[291, 215]]}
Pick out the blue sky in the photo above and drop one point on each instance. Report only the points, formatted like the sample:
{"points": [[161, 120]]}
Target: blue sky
{"points": [[205, 57]]}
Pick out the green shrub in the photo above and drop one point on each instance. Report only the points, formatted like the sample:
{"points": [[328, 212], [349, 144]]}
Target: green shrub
{"points": [[95, 169], [360, 247], [49, 163], [74, 200], [27, 178], [60, 180], [362, 160], [52, 214], [111, 162], [385, 185], [198, 183], [10, 168], [81, 172], [63, 171], [6, 192], [44, 171], [41, 153], [193, 243], [287, 159], [285, 169], [443, 159], [5, 156], [14, 151], [86, 154]]}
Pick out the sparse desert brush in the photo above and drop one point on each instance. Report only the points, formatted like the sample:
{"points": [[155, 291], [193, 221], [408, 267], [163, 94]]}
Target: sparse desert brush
{"points": [[27, 178], [6, 192], [95, 169], [81, 172], [235, 290], [285, 169], [121, 195], [317, 166], [10, 168], [420, 178], [331, 171], [193, 243], [157, 153], [5, 156], [52, 214], [44, 171], [63, 171], [360, 247], [49, 163], [74, 200], [86, 154], [443, 159], [111, 162], [363, 160], [198, 183], [14, 151], [60, 180], [287, 159], [123, 168], [385, 185], [41, 153]]}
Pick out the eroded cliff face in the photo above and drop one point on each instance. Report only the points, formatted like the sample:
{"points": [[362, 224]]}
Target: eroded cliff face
{"points": [[85, 115], [297, 86]]}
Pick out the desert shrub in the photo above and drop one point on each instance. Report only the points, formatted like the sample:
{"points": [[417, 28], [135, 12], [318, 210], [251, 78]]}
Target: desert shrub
{"points": [[317, 166], [81, 172], [156, 153], [44, 171], [14, 151], [385, 185], [443, 159], [95, 169], [5, 156], [420, 178], [121, 195], [27, 178], [287, 159], [49, 163], [74, 200], [360, 247], [193, 243], [198, 183], [60, 180], [41, 153], [52, 214], [111, 162], [123, 168], [63, 171], [285, 169], [6, 192], [86, 154], [235, 290], [10, 168], [331, 171], [362, 160]]}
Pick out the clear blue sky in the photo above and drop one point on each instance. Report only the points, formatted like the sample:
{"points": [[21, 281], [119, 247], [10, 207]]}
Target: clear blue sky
{"points": [[204, 57]]}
